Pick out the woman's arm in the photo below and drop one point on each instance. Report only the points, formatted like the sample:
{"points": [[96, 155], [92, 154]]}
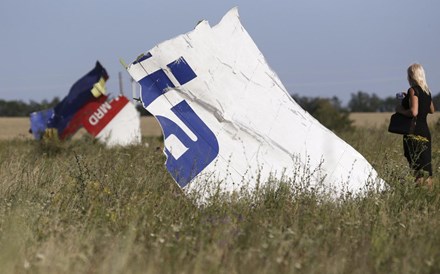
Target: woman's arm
{"points": [[431, 108], [413, 105]]}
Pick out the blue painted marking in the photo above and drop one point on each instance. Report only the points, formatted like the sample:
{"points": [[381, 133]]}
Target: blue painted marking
{"points": [[144, 57], [153, 86], [182, 71], [199, 153]]}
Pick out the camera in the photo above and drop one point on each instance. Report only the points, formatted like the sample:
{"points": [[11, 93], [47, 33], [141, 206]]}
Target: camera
{"points": [[400, 95]]}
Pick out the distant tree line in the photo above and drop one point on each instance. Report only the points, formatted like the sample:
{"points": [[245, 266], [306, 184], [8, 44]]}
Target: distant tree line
{"points": [[19, 108], [328, 111], [331, 113], [365, 102]]}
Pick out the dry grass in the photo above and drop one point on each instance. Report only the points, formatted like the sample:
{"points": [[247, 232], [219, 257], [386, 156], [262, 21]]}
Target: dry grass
{"points": [[13, 127], [76, 207]]}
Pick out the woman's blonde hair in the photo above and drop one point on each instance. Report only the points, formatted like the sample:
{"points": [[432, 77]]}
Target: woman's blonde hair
{"points": [[416, 77]]}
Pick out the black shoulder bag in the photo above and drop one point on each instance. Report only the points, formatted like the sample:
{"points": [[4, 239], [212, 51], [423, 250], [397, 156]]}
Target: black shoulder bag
{"points": [[401, 124]]}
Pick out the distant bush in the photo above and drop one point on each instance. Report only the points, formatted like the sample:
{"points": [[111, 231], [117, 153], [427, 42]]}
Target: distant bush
{"points": [[328, 112], [142, 110]]}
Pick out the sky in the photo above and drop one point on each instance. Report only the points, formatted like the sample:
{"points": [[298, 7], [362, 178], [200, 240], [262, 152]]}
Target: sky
{"points": [[318, 48]]}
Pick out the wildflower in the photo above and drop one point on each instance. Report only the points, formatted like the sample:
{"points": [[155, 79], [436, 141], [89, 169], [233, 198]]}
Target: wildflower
{"points": [[418, 138]]}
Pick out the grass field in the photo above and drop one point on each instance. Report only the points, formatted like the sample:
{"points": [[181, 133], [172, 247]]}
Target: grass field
{"points": [[379, 119], [77, 207], [12, 127]]}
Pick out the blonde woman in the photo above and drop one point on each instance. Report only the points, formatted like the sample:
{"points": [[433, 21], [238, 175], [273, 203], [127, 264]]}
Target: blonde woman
{"points": [[418, 103]]}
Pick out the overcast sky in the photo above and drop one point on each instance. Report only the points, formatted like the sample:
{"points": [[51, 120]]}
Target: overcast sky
{"points": [[317, 47]]}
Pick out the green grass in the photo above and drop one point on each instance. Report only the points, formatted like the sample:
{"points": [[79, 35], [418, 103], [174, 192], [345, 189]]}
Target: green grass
{"points": [[77, 207]]}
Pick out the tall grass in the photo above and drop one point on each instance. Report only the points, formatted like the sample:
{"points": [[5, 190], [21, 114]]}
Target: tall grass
{"points": [[77, 207]]}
